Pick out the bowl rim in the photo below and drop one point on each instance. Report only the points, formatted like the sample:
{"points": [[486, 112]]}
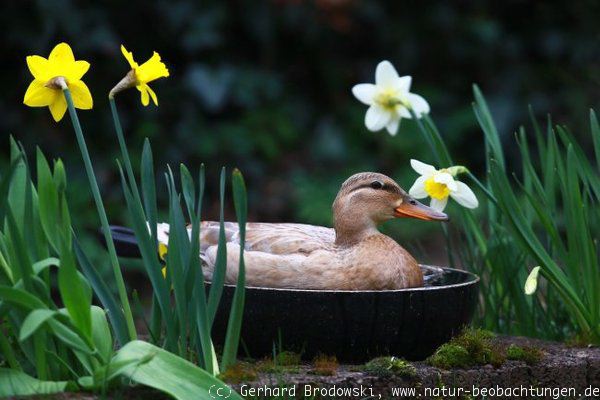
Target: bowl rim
{"points": [[473, 279]]}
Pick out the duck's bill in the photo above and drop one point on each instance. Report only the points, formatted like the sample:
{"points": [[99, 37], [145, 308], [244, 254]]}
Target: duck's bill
{"points": [[415, 209]]}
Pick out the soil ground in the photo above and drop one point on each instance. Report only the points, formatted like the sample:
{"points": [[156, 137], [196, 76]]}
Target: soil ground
{"points": [[561, 367]]}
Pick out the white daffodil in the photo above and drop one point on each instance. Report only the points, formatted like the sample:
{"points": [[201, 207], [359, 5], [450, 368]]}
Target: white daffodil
{"points": [[532, 281], [389, 99], [440, 184]]}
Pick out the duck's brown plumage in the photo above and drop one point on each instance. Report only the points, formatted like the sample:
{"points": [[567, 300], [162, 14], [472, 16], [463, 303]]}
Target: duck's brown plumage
{"points": [[353, 255]]}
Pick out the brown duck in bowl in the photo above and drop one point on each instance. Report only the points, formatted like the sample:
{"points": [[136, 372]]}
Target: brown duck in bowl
{"points": [[348, 291]]}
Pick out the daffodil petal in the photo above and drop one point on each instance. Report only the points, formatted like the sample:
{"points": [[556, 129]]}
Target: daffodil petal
{"points": [[61, 53], [129, 57], [58, 107], [392, 126], [76, 70], [417, 190], [82, 98], [532, 281], [39, 68], [376, 118], [464, 195], [446, 179], [438, 205], [418, 104], [364, 92], [421, 168], [144, 92], [385, 74], [402, 84], [162, 233], [403, 111], [152, 95], [37, 95]]}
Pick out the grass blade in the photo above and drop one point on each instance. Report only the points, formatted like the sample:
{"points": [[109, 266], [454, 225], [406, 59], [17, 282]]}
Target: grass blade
{"points": [[216, 288], [236, 313]]}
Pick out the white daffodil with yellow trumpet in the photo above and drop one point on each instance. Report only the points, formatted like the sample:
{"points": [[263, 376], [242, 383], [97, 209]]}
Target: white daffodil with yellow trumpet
{"points": [[441, 185]]}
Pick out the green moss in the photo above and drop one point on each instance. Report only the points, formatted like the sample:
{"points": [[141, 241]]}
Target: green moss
{"points": [[268, 366], [389, 366], [451, 356], [471, 347], [287, 358], [239, 372], [530, 355]]}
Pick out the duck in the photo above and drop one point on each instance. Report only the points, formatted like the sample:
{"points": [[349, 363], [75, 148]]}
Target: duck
{"points": [[352, 255]]}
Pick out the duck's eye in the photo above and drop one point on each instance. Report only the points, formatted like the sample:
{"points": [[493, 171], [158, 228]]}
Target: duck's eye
{"points": [[413, 202], [377, 185]]}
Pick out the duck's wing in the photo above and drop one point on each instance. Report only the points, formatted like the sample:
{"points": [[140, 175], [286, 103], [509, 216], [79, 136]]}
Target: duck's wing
{"points": [[274, 254], [271, 238], [268, 238]]}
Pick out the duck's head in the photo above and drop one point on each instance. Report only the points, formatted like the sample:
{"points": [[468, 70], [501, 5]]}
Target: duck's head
{"points": [[368, 199]]}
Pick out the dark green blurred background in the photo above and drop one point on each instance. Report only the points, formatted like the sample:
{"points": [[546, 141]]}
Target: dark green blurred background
{"points": [[265, 86]]}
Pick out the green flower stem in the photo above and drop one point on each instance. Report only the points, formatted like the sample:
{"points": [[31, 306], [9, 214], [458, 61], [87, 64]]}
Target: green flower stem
{"points": [[102, 214], [123, 147]]}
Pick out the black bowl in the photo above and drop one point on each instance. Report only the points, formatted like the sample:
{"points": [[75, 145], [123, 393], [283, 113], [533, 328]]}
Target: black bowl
{"points": [[355, 326]]}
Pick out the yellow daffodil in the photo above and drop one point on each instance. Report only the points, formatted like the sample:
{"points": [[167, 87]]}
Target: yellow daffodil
{"points": [[162, 233], [141, 75], [389, 99], [532, 281], [54, 74], [162, 253], [440, 184]]}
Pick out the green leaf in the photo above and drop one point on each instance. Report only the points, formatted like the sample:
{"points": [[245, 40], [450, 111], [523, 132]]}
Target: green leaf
{"points": [[168, 373], [6, 180], [17, 383], [149, 188], [177, 256], [101, 336], [18, 183], [101, 289], [484, 117], [41, 265], [218, 278], [148, 250], [34, 321], [232, 338], [595, 128], [20, 298], [187, 187], [48, 200], [68, 336], [196, 277], [22, 260], [75, 293]]}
